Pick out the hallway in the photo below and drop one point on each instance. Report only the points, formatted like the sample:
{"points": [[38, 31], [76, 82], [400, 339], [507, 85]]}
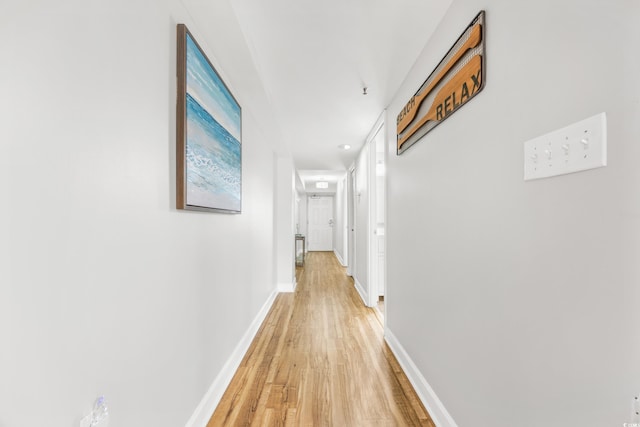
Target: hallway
{"points": [[320, 359]]}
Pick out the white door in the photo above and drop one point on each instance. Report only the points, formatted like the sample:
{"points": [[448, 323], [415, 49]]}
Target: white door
{"points": [[320, 223]]}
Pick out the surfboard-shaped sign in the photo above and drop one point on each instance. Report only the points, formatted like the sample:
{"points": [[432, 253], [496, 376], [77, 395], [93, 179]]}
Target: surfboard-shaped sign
{"points": [[458, 77]]}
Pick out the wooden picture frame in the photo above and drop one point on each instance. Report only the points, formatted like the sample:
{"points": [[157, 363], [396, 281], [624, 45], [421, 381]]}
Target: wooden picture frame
{"points": [[209, 134]]}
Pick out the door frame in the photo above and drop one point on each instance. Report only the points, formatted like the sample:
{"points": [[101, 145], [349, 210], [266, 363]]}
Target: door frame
{"points": [[373, 282], [351, 221]]}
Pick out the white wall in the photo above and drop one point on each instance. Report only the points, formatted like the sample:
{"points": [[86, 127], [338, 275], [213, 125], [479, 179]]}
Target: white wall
{"points": [[300, 200], [518, 301], [104, 286], [284, 223], [296, 212], [302, 213]]}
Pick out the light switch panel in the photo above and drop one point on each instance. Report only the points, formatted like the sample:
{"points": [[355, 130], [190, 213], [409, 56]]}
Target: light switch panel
{"points": [[577, 147]]}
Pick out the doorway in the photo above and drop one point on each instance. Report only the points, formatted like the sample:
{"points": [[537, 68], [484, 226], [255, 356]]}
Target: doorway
{"points": [[378, 217], [320, 227], [367, 226]]}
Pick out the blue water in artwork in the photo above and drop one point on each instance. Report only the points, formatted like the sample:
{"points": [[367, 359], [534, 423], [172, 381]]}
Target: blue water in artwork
{"points": [[206, 87], [213, 154], [213, 161]]}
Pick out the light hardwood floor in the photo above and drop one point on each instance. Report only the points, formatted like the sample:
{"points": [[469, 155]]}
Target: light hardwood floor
{"points": [[319, 359]]}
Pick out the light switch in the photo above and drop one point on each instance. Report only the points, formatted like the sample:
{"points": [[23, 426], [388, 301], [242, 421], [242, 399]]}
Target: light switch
{"points": [[577, 147]]}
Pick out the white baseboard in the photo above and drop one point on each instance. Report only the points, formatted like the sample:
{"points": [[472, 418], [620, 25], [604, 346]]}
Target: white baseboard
{"points": [[209, 402], [434, 406], [287, 287], [340, 260], [361, 291]]}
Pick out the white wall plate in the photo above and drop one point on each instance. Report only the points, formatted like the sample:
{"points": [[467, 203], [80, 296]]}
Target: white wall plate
{"points": [[577, 147]]}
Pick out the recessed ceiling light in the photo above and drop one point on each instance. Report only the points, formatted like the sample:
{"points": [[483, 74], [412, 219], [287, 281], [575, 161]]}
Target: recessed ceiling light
{"points": [[322, 184], [344, 147]]}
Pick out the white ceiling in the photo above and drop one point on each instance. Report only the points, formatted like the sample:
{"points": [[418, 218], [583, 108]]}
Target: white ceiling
{"points": [[315, 57]]}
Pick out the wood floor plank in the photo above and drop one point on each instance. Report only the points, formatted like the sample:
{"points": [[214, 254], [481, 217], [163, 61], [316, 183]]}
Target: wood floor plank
{"points": [[319, 359]]}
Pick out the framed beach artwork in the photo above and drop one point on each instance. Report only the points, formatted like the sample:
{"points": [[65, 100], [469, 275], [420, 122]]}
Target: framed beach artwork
{"points": [[209, 134]]}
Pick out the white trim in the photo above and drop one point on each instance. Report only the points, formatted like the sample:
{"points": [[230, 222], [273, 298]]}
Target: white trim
{"points": [[361, 291], [434, 406], [209, 402], [340, 260]]}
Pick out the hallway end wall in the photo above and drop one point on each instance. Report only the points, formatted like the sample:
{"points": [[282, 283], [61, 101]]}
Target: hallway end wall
{"points": [[518, 301]]}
